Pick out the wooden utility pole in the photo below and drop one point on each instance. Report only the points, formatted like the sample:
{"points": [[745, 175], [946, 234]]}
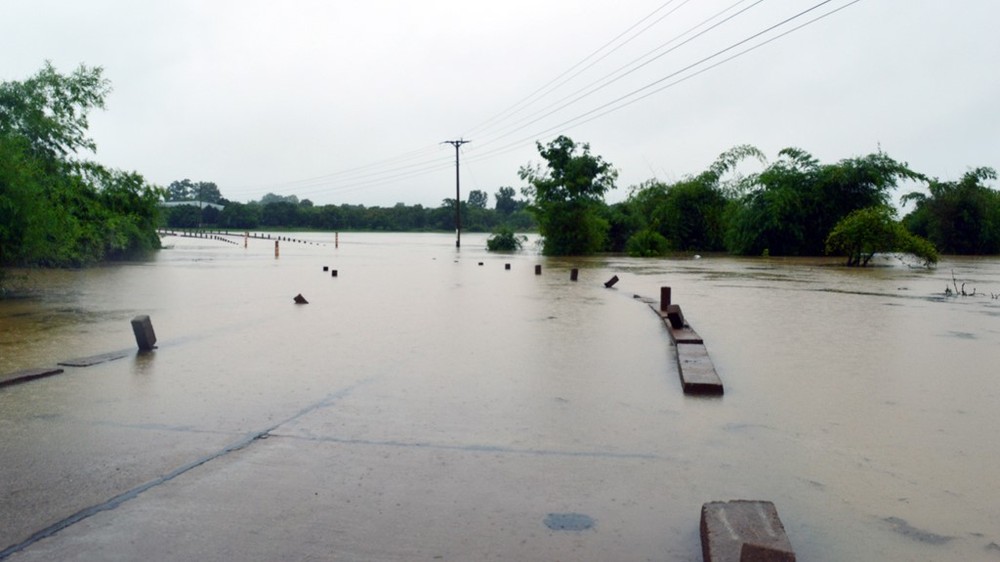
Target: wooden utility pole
{"points": [[458, 195]]}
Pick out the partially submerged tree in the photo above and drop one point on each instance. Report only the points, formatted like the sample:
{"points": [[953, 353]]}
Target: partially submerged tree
{"points": [[872, 230], [959, 217], [791, 206], [567, 196]]}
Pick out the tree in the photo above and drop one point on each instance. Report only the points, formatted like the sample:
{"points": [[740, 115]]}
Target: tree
{"points": [[504, 201], [567, 197], [180, 190], [505, 240], [275, 198], [865, 232], [56, 208], [207, 192], [960, 217], [50, 110], [791, 206], [478, 199]]}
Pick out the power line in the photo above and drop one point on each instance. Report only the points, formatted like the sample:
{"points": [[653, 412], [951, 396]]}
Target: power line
{"points": [[518, 106], [611, 78], [386, 170], [624, 101]]}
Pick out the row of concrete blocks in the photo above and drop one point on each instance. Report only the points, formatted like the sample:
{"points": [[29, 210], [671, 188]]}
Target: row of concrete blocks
{"points": [[695, 367]]}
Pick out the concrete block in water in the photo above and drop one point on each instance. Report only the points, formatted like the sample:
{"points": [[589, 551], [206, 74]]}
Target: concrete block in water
{"points": [[697, 372], [675, 316], [145, 338], [664, 298], [743, 530], [611, 282]]}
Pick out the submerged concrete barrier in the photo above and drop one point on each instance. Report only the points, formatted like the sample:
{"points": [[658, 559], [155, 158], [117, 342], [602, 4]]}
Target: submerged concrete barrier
{"points": [[743, 531], [695, 367], [19, 377], [145, 337]]}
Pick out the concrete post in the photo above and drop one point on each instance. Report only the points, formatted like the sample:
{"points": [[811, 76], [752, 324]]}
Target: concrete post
{"points": [[573, 274], [664, 298], [142, 327]]}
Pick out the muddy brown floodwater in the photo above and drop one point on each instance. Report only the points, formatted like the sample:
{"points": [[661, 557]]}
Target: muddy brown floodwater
{"points": [[424, 406]]}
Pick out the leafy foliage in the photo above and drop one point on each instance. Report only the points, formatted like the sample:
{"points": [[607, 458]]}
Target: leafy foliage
{"points": [[567, 197], [504, 239], [56, 209], [865, 232], [960, 217], [791, 206], [647, 244]]}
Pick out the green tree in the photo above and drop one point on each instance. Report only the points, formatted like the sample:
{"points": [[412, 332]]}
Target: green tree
{"points": [[865, 232], [961, 217], [56, 208], [180, 190], [567, 197], [505, 240], [791, 206], [478, 199], [504, 202]]}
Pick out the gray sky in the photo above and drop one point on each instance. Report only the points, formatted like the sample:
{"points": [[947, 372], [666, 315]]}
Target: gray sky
{"points": [[347, 102]]}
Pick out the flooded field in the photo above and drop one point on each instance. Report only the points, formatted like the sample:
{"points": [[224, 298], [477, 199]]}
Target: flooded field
{"points": [[429, 404]]}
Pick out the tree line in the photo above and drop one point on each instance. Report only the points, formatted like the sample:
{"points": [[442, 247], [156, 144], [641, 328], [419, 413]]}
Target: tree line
{"points": [[795, 206], [278, 211], [56, 207]]}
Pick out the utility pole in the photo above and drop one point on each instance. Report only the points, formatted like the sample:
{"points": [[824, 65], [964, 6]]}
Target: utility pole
{"points": [[458, 197]]}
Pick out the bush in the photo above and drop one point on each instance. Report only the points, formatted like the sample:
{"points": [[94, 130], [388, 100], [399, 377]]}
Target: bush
{"points": [[647, 244], [504, 240]]}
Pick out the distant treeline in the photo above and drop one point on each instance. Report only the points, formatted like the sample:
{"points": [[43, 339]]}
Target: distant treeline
{"points": [[795, 206], [288, 212]]}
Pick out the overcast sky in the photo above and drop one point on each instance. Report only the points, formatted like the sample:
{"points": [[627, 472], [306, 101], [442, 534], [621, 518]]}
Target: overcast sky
{"points": [[347, 101]]}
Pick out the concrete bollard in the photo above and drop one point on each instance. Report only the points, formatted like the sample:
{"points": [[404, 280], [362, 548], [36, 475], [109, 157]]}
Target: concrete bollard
{"points": [[480, 264], [574, 274], [326, 268], [275, 248], [675, 316], [611, 282], [333, 273], [336, 239], [299, 299], [142, 327], [538, 270], [664, 298], [506, 266], [743, 530]]}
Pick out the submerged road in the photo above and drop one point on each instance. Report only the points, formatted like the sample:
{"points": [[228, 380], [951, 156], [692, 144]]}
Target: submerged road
{"points": [[484, 420]]}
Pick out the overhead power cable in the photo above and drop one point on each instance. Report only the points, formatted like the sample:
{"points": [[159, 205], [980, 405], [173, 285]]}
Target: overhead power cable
{"points": [[624, 70], [629, 98], [548, 86]]}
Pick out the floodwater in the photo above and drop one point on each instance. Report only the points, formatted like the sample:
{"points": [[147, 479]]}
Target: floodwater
{"points": [[429, 404]]}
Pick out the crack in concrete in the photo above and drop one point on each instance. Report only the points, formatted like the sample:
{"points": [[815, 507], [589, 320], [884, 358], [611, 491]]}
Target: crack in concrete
{"points": [[476, 448], [127, 495]]}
